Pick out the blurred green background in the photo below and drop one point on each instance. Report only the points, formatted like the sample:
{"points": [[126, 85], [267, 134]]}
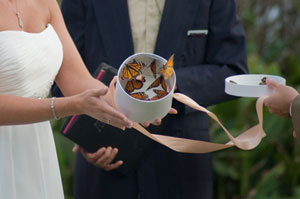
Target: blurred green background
{"points": [[270, 171]]}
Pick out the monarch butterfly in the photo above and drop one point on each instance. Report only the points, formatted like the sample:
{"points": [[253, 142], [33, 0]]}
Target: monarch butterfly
{"points": [[139, 95], [263, 81], [131, 70], [153, 68], [167, 69], [159, 94], [159, 81], [133, 84]]}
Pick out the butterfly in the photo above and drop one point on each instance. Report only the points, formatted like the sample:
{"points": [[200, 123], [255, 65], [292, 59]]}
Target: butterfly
{"points": [[131, 70], [139, 95], [159, 81], [167, 69], [133, 84], [159, 94], [153, 68]]}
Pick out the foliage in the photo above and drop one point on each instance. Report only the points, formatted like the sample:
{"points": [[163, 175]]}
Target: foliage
{"points": [[65, 156], [269, 171]]}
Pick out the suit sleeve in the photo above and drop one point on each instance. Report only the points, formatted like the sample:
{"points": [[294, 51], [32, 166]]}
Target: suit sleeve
{"points": [[74, 13], [296, 115], [225, 56]]}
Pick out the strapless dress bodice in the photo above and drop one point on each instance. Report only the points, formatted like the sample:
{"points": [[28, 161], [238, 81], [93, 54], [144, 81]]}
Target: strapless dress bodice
{"points": [[29, 62]]}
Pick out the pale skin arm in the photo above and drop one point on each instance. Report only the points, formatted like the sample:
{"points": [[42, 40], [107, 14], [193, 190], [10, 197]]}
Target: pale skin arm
{"points": [[82, 90], [84, 94], [72, 73]]}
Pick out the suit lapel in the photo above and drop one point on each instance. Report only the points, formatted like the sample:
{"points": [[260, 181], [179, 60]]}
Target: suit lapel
{"points": [[177, 18], [114, 25]]}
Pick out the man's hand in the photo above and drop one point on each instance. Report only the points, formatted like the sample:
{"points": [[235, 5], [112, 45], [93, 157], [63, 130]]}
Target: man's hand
{"points": [[102, 158], [279, 102]]}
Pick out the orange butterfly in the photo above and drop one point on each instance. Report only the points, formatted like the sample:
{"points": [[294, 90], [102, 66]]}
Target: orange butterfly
{"points": [[133, 84], [140, 95], [153, 68], [159, 81], [167, 70], [159, 94], [131, 70]]}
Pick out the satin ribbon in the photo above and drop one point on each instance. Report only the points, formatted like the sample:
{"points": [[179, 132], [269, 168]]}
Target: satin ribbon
{"points": [[247, 140]]}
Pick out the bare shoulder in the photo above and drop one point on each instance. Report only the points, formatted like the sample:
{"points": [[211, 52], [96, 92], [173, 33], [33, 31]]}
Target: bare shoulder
{"points": [[54, 10], [52, 5]]}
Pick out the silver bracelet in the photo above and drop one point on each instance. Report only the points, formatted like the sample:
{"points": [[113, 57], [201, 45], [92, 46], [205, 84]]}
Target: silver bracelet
{"points": [[53, 108]]}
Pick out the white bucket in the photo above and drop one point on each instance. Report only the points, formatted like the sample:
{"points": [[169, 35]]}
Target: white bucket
{"points": [[139, 110]]}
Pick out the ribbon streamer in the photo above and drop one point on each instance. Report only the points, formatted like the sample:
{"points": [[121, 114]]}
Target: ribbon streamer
{"points": [[247, 140]]}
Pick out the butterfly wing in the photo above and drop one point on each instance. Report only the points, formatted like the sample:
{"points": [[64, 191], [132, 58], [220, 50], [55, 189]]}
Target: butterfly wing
{"points": [[125, 73], [154, 98], [153, 68], [163, 84], [159, 94], [137, 84], [133, 84], [129, 86], [139, 95], [131, 70], [167, 70], [156, 83]]}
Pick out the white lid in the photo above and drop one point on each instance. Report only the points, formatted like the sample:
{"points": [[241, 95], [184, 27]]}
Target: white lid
{"points": [[248, 85]]}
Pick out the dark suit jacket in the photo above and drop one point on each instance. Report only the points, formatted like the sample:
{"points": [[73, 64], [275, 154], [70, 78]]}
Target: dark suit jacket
{"points": [[101, 31]]}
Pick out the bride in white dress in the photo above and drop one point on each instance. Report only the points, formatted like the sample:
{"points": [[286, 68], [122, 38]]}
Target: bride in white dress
{"points": [[32, 56]]}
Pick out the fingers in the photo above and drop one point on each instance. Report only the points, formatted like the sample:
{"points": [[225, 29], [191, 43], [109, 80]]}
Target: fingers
{"points": [[156, 122], [173, 111], [113, 166], [99, 92], [117, 119], [106, 160], [109, 115], [103, 158], [146, 124], [93, 157], [271, 84]]}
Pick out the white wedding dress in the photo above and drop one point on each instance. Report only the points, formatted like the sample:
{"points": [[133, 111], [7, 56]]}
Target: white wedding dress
{"points": [[29, 167]]}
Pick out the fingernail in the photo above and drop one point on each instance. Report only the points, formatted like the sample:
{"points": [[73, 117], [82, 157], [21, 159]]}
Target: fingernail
{"points": [[115, 150]]}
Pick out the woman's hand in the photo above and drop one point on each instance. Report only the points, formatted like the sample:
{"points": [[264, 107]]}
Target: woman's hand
{"points": [[93, 103], [102, 158], [279, 102]]}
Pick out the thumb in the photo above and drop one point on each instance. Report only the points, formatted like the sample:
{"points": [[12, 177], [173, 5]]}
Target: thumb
{"points": [[271, 84], [100, 92]]}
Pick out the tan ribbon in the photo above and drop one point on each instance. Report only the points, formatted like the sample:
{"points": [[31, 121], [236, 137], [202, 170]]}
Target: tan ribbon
{"points": [[246, 140]]}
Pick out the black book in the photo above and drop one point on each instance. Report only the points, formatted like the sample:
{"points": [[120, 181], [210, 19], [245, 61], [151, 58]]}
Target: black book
{"points": [[92, 134]]}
